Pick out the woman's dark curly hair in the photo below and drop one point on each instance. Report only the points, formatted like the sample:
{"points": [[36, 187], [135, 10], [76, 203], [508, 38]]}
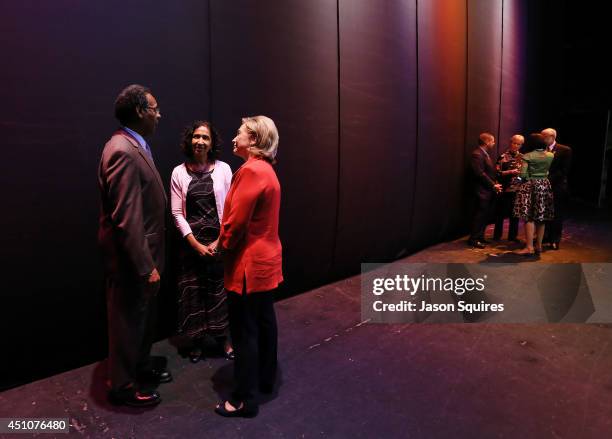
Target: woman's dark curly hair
{"points": [[532, 142], [215, 143]]}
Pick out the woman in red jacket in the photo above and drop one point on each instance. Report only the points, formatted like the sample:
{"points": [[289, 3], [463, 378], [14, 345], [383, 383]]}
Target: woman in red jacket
{"points": [[253, 264]]}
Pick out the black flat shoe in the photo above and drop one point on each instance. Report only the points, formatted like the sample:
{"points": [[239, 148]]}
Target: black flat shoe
{"points": [[162, 376], [195, 355], [476, 244], [526, 252], [134, 398], [242, 412]]}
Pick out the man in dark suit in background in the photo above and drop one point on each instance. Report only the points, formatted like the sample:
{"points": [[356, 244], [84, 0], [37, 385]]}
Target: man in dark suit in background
{"points": [[132, 239], [485, 188], [557, 175]]}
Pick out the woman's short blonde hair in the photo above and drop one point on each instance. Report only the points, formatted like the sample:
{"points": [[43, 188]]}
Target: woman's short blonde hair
{"points": [[264, 132]]}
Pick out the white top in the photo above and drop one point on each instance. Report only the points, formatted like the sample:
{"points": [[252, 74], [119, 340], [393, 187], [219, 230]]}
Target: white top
{"points": [[179, 183]]}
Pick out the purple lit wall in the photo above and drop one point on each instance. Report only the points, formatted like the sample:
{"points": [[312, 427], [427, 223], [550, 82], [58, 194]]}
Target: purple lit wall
{"points": [[377, 103], [378, 131], [442, 70], [513, 72]]}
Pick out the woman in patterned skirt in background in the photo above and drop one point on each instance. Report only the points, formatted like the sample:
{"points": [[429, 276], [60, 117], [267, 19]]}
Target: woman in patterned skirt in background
{"points": [[534, 200], [197, 193]]}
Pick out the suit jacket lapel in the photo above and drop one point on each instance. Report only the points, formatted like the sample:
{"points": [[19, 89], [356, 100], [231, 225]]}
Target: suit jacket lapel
{"points": [[146, 158]]}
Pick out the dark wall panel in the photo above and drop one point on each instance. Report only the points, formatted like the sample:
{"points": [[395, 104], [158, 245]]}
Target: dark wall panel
{"points": [[280, 59], [63, 63], [442, 39], [484, 63], [378, 130], [513, 71]]}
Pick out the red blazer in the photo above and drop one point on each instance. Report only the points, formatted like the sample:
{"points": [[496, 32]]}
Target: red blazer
{"points": [[249, 233]]}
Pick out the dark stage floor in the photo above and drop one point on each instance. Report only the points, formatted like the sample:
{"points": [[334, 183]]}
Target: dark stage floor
{"points": [[342, 378]]}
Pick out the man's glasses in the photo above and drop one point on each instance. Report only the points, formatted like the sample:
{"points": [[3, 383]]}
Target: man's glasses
{"points": [[156, 110]]}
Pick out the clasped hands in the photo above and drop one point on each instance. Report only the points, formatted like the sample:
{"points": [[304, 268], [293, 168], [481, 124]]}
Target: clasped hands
{"points": [[207, 250]]}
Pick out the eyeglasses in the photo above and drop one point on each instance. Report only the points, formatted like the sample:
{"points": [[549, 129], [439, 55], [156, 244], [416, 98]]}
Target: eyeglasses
{"points": [[156, 110]]}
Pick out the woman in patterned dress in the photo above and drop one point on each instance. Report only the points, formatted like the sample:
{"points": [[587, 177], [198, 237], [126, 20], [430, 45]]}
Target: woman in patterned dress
{"points": [[197, 192], [534, 201]]}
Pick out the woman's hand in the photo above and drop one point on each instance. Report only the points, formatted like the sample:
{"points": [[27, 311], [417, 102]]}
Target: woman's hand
{"points": [[203, 250], [200, 249]]}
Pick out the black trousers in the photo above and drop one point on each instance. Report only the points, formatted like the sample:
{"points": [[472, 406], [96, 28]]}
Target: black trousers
{"points": [[255, 341], [554, 228], [503, 209], [132, 312], [482, 214]]}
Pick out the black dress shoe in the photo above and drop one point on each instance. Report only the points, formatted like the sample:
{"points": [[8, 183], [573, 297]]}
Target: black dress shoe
{"points": [[246, 411], [477, 244], [554, 245], [134, 398], [156, 375], [266, 389]]}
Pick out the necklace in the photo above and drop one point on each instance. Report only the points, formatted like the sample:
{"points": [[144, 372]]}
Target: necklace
{"points": [[199, 168]]}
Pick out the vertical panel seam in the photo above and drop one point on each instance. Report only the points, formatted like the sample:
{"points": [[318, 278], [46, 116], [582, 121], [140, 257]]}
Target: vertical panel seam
{"points": [[467, 85], [210, 72], [339, 139], [417, 113], [501, 79]]}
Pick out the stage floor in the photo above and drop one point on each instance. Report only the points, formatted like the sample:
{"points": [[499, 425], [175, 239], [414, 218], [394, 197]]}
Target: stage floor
{"points": [[341, 377]]}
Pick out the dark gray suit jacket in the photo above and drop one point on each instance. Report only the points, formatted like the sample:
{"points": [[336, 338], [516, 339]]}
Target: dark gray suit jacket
{"points": [[133, 210], [560, 167], [484, 174]]}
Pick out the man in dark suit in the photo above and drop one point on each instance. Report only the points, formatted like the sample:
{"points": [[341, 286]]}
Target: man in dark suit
{"points": [[485, 188], [132, 239], [557, 175]]}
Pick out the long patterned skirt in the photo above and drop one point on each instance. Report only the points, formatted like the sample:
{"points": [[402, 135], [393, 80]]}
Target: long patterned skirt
{"points": [[202, 298]]}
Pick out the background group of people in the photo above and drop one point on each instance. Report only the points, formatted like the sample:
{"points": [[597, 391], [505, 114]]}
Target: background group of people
{"points": [[528, 182], [230, 258]]}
